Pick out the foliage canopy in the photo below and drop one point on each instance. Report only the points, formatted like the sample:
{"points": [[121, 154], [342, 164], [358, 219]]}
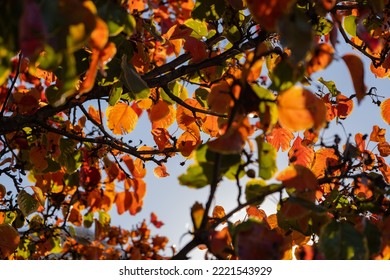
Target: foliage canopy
{"points": [[226, 84]]}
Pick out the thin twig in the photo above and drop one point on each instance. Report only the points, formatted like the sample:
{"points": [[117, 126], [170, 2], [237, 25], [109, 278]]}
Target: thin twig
{"points": [[12, 84]]}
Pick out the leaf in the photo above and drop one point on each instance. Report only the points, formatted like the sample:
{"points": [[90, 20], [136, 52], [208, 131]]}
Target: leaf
{"points": [[356, 70], [256, 213], [123, 201], [154, 220], [256, 241], [9, 240], [280, 138], [69, 158], [300, 153], [95, 115], [300, 181], [133, 81], [344, 106], [341, 241], [254, 188], [195, 177], [385, 110], [322, 57], [330, 85], [234, 139], [300, 109], [27, 203], [266, 158], [349, 25], [38, 158], [121, 118], [325, 162], [3, 192], [208, 10], [160, 171], [218, 212], [162, 114], [378, 134], [197, 212]]}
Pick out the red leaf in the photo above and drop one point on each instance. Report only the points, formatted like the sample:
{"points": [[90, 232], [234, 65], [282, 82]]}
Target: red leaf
{"points": [[154, 220]]}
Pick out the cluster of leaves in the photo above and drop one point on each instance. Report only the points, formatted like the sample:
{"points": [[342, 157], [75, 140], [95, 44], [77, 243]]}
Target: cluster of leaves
{"points": [[249, 66]]}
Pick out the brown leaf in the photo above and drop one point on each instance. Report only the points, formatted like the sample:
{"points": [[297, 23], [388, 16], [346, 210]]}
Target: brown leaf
{"points": [[356, 70], [9, 240]]}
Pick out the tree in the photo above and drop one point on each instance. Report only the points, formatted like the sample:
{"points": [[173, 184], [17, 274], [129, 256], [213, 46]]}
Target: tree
{"points": [[227, 85]]}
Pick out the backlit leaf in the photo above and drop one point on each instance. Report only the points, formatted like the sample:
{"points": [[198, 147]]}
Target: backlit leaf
{"points": [[356, 69], [121, 118], [266, 158], [300, 153], [133, 81], [254, 188], [322, 57], [27, 203], [38, 158], [280, 138], [341, 241], [160, 171], [9, 240], [378, 134], [218, 212], [385, 110], [123, 201], [154, 220], [197, 212], [300, 109]]}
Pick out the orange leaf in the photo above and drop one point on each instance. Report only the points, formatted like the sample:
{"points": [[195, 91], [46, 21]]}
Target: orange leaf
{"points": [[189, 140], [325, 162], [385, 110], [9, 240], [160, 171], [139, 170], [107, 53], [280, 137], [162, 138], [378, 134], [75, 217], [233, 141], [210, 126], [219, 99], [99, 36], [344, 106], [360, 142], [300, 179], [300, 153], [154, 220], [300, 109], [186, 117], [218, 212], [121, 118], [322, 57], [356, 69], [162, 115], [123, 201], [384, 149], [95, 115], [89, 79], [254, 212], [221, 243], [379, 71]]}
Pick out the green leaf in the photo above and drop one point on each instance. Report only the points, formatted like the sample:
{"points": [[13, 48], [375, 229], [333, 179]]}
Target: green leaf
{"points": [[323, 27], [27, 203], [341, 241], [70, 157], [373, 237], [267, 159], [201, 95], [254, 188], [331, 86], [177, 89], [133, 81], [208, 10], [349, 25], [115, 93], [88, 219], [104, 218], [117, 18], [285, 75], [266, 107], [199, 28], [195, 177]]}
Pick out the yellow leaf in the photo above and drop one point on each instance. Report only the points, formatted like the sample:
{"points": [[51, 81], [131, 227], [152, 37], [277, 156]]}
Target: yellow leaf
{"points": [[121, 118], [301, 109]]}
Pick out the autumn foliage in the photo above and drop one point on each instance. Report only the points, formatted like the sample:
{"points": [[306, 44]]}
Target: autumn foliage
{"points": [[226, 86]]}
